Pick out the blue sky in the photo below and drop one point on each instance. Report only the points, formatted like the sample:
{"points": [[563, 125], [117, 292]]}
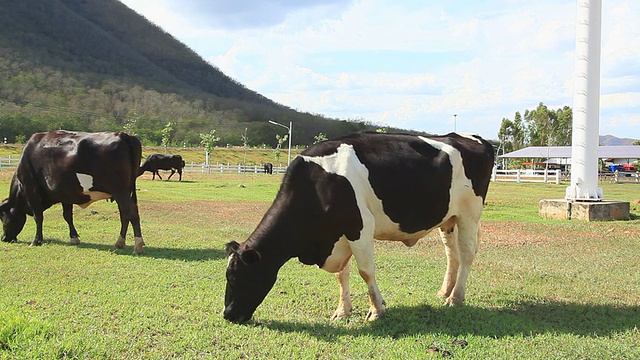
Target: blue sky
{"points": [[412, 64]]}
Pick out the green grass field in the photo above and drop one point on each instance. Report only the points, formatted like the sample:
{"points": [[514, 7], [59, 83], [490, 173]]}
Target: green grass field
{"points": [[539, 289]]}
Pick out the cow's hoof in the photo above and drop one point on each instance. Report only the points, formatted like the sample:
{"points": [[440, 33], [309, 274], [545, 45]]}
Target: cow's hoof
{"points": [[119, 244], [374, 314], [74, 241], [341, 314], [138, 248], [36, 243], [451, 301]]}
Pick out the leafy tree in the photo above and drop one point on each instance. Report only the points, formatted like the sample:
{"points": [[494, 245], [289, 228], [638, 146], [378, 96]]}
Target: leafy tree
{"points": [[505, 135], [167, 133], [277, 151], [208, 141], [319, 138], [539, 127]]}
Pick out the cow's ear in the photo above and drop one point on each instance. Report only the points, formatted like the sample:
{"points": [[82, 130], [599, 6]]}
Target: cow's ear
{"points": [[5, 207], [250, 256], [231, 247]]}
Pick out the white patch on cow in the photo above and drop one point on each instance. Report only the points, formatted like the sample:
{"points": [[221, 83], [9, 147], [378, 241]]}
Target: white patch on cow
{"points": [[463, 200], [471, 136], [86, 182]]}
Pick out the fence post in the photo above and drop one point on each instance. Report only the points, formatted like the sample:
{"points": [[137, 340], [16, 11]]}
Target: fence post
{"points": [[557, 177], [518, 175]]}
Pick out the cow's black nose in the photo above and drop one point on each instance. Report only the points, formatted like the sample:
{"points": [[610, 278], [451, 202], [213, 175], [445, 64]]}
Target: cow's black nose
{"points": [[235, 318]]}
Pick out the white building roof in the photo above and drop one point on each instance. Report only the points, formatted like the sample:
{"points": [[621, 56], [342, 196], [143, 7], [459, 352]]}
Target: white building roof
{"points": [[604, 152]]}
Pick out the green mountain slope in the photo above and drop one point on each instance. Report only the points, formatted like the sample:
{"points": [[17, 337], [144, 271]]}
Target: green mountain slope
{"points": [[97, 65]]}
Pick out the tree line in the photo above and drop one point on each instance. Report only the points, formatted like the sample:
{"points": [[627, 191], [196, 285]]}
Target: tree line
{"points": [[538, 127]]}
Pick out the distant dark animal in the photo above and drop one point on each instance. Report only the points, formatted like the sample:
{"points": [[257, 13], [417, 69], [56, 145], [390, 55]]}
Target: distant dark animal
{"points": [[155, 162], [74, 168], [339, 195], [268, 168]]}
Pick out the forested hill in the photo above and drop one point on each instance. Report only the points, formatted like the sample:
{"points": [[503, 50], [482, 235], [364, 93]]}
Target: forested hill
{"points": [[97, 65]]}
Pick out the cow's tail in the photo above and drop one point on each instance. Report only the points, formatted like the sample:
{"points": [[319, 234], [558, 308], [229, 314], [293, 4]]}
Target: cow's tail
{"points": [[135, 157], [144, 167]]}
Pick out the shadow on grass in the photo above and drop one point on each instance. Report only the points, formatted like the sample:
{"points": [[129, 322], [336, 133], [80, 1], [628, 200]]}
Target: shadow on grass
{"points": [[152, 252], [523, 319]]}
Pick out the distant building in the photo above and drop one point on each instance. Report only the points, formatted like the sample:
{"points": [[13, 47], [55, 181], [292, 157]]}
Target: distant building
{"points": [[559, 157]]}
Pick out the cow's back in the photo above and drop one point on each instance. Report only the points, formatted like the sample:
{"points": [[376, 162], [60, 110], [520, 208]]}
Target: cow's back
{"points": [[51, 161], [397, 174]]}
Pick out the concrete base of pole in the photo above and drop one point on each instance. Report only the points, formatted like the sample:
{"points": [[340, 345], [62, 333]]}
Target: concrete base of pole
{"points": [[585, 210]]}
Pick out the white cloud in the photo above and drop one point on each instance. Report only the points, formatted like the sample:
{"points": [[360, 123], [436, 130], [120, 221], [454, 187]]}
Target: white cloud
{"points": [[482, 61]]}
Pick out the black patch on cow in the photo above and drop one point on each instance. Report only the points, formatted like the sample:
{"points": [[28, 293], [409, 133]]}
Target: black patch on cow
{"points": [[312, 210], [409, 176]]}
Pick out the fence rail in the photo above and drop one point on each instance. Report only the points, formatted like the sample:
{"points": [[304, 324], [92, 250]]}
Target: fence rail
{"points": [[518, 175], [229, 169], [9, 163]]}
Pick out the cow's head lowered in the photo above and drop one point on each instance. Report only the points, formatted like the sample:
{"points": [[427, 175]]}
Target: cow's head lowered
{"points": [[13, 216], [248, 281], [13, 221]]}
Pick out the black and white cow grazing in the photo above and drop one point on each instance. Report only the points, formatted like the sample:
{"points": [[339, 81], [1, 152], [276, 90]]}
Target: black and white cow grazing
{"points": [[339, 195], [74, 168], [155, 162]]}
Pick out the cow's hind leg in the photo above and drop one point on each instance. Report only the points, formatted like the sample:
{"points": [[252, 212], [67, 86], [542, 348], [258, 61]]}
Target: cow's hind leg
{"points": [[129, 213], [338, 263], [449, 236], [67, 214], [463, 253]]}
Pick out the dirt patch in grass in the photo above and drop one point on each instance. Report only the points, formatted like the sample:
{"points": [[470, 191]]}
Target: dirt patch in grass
{"points": [[514, 234], [207, 213]]}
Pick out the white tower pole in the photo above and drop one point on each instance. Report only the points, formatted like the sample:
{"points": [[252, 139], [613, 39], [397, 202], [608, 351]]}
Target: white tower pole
{"points": [[586, 104]]}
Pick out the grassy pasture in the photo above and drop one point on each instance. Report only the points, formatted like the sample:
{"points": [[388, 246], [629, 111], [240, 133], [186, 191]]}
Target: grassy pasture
{"points": [[539, 289]]}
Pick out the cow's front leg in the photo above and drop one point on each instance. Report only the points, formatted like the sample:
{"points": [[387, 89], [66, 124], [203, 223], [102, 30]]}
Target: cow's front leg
{"points": [[67, 214], [363, 252], [38, 216], [344, 303]]}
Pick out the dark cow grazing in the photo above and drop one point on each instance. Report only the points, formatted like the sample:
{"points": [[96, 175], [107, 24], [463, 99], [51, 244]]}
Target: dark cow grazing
{"points": [[74, 168], [339, 195], [268, 168], [155, 162]]}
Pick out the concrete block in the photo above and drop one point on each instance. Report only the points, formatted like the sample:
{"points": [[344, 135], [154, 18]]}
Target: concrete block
{"points": [[585, 210]]}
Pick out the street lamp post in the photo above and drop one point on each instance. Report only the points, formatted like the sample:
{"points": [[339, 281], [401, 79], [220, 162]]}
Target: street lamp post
{"points": [[455, 118], [288, 128]]}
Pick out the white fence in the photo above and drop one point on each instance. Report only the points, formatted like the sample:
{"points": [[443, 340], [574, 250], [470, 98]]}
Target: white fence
{"points": [[520, 175], [229, 169], [9, 164]]}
